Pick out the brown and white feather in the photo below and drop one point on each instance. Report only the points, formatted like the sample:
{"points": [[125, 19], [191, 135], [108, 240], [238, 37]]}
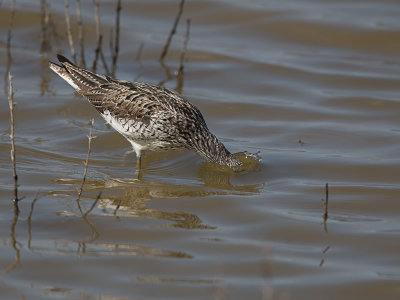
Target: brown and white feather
{"points": [[149, 117]]}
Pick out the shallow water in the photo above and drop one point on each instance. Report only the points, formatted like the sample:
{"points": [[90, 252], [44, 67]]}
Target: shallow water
{"points": [[313, 85]]}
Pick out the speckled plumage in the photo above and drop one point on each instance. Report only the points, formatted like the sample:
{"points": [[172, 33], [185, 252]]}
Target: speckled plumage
{"points": [[149, 117]]}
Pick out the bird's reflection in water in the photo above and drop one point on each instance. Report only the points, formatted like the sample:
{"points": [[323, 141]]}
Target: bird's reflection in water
{"points": [[129, 197], [219, 177]]}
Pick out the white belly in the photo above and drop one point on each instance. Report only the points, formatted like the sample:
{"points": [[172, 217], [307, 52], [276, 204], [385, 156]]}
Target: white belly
{"points": [[135, 134]]}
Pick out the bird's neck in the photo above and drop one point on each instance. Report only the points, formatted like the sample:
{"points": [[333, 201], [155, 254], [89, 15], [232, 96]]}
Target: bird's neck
{"points": [[211, 149]]}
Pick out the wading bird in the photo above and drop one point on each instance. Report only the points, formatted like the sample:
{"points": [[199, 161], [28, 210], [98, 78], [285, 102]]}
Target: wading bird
{"points": [[150, 117]]}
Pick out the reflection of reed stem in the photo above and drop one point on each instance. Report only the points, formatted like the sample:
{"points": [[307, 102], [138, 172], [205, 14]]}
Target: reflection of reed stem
{"points": [[173, 30], [82, 62], [116, 44], [10, 26], [30, 218], [90, 137], [12, 137], [69, 31], [14, 245]]}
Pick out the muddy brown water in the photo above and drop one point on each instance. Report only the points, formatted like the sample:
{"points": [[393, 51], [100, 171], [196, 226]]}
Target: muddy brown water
{"points": [[313, 85]]}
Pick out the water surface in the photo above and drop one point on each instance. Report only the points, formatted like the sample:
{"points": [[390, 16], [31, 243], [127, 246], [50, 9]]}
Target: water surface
{"points": [[313, 85]]}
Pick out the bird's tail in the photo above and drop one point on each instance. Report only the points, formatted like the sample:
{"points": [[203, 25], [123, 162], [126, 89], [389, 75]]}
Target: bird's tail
{"points": [[80, 79]]}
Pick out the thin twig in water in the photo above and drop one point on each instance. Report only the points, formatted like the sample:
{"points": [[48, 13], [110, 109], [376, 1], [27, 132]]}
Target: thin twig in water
{"points": [[90, 137], [103, 60], [93, 205], [45, 20], [8, 46], [167, 73], [43, 38], [118, 206], [97, 17], [111, 43], [33, 204], [115, 51], [139, 54], [82, 62], [179, 75], [52, 29], [183, 54], [97, 53], [15, 200], [98, 35], [173, 31], [139, 61], [326, 202], [12, 137], [69, 31]]}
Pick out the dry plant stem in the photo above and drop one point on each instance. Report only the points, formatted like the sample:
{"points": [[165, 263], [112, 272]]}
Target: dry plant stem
{"points": [[97, 53], [326, 202], [139, 54], [33, 205], [173, 30], [45, 20], [8, 45], [12, 137], [98, 35], [118, 206], [93, 205], [69, 31], [111, 44], [116, 44], [90, 137], [97, 17], [103, 60], [15, 200], [82, 62], [167, 72], [179, 73], [43, 23], [184, 50], [139, 61], [52, 30]]}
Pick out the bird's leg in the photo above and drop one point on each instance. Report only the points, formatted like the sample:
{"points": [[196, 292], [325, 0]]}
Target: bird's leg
{"points": [[138, 172], [138, 162]]}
